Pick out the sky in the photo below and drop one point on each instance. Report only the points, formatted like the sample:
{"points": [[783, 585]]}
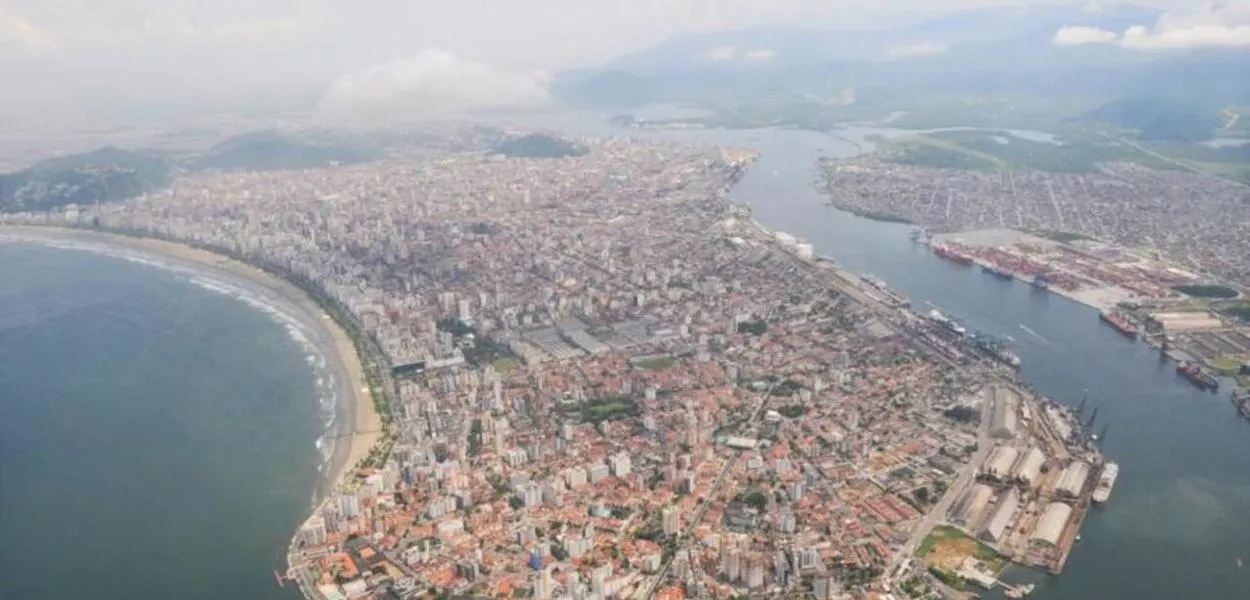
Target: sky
{"points": [[354, 53]]}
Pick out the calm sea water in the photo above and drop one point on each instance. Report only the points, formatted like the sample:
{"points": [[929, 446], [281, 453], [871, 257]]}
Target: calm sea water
{"points": [[156, 439]]}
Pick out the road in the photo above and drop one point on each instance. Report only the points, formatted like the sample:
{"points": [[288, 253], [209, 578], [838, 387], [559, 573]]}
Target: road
{"points": [[937, 513]]}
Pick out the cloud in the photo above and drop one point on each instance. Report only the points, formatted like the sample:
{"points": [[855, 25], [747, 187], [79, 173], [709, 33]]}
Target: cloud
{"points": [[760, 55], [916, 50], [1186, 37], [433, 83], [721, 54], [1222, 24], [1079, 36], [16, 30]]}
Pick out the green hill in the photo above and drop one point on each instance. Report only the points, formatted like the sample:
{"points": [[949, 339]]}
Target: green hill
{"points": [[538, 145], [1157, 119], [274, 151], [103, 175]]}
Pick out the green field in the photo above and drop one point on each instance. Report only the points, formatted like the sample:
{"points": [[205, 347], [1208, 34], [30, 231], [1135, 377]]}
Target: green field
{"points": [[1207, 291], [1000, 150], [945, 545], [1063, 237], [598, 410], [656, 364]]}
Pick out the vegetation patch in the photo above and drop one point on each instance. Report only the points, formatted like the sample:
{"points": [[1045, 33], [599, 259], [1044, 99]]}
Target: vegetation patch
{"points": [[1227, 365], [1237, 310], [538, 145], [608, 408], [657, 363], [753, 327], [1207, 291], [1064, 237], [946, 548]]}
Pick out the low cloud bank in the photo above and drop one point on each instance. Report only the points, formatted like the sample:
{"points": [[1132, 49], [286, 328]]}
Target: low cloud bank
{"points": [[1224, 25], [429, 85], [726, 54]]}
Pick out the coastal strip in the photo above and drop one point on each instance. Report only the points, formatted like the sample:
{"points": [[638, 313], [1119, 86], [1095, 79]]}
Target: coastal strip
{"points": [[359, 425]]}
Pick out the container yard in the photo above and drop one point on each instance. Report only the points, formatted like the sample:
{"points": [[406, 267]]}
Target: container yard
{"points": [[1089, 272]]}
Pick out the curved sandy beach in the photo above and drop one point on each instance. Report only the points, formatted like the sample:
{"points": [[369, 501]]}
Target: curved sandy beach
{"points": [[357, 424]]}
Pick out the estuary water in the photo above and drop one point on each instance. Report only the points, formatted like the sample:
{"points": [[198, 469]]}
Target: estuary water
{"points": [[1179, 516], [156, 437]]}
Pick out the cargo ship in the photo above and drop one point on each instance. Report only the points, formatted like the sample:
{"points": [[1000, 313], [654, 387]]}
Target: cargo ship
{"points": [[1106, 481], [997, 271], [1197, 375], [1119, 322], [947, 323], [891, 297], [994, 348], [953, 254]]}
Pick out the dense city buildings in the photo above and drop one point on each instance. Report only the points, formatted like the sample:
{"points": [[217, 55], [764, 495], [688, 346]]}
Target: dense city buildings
{"points": [[610, 382], [1193, 219]]}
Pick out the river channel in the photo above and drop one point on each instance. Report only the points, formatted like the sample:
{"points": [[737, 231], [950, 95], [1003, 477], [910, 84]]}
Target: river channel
{"points": [[1179, 516]]}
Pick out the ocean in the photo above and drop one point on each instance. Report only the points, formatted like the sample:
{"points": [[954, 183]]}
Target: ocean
{"points": [[156, 437]]}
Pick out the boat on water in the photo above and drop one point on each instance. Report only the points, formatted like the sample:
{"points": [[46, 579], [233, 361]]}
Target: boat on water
{"points": [[1197, 375], [892, 297], [1040, 282], [1119, 322], [1106, 482], [946, 322], [997, 271], [995, 348], [1019, 591], [953, 254], [918, 234]]}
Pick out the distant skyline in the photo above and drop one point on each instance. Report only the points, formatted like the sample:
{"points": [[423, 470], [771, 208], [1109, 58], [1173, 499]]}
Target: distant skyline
{"points": [[53, 53]]}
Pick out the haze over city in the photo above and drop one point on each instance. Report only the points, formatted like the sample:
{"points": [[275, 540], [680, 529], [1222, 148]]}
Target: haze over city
{"points": [[432, 56]]}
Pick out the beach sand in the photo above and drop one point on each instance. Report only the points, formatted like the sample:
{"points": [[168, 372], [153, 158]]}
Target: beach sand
{"points": [[360, 425]]}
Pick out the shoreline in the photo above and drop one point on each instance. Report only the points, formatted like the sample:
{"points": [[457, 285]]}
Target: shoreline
{"points": [[357, 423]]}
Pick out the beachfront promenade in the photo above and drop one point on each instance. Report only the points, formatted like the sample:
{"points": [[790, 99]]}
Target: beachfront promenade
{"points": [[608, 382]]}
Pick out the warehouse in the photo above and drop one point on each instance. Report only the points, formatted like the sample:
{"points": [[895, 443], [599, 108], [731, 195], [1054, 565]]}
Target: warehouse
{"points": [[971, 504], [996, 527], [1073, 479], [1029, 467], [1003, 414], [998, 465], [1050, 527]]}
